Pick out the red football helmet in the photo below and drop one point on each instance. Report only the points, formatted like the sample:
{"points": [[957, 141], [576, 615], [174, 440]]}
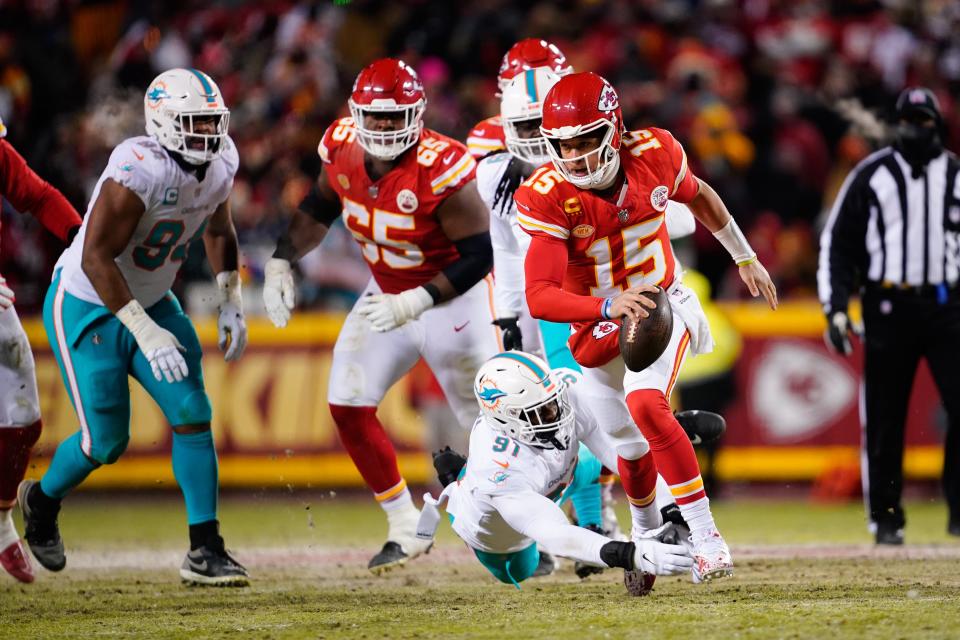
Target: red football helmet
{"points": [[530, 54], [579, 104], [388, 86]]}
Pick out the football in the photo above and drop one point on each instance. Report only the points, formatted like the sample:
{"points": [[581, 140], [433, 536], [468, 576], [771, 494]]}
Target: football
{"points": [[642, 342]]}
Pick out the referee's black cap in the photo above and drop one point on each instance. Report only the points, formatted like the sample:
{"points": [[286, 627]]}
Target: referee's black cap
{"points": [[914, 100]]}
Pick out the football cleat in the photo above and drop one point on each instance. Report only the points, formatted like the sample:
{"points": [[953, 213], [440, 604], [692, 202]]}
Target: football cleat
{"points": [[15, 561], [954, 527], [582, 569], [41, 530], [448, 464], [711, 556], [701, 427], [211, 566], [546, 566], [396, 554]]}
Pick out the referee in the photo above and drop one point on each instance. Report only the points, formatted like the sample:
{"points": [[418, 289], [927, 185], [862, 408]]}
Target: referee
{"points": [[893, 231]]}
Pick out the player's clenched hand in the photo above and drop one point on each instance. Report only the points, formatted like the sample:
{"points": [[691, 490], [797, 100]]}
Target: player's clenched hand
{"points": [[653, 556], [387, 311], [758, 282], [159, 346], [632, 303], [6, 295], [278, 291], [231, 326], [512, 337]]}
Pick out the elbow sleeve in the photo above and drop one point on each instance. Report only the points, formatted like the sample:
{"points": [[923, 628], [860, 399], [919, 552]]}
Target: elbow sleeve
{"points": [[476, 260]]}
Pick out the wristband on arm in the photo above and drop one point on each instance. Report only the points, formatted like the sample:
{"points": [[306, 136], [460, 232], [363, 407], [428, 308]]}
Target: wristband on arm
{"points": [[733, 240]]}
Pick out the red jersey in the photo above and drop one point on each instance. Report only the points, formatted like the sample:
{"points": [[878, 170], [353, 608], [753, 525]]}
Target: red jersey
{"points": [[394, 218], [28, 192], [586, 247], [486, 138]]}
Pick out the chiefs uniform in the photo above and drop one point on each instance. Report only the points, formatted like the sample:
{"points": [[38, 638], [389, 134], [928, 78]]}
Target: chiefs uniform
{"points": [[394, 221], [19, 402], [613, 244], [486, 138]]}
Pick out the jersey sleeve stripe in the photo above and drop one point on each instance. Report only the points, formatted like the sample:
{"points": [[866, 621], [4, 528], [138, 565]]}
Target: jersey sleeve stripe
{"points": [[453, 175], [532, 224], [680, 174], [488, 144]]}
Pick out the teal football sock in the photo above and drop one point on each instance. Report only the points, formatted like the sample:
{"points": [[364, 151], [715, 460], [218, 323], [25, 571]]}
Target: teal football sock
{"points": [[68, 468], [195, 468]]}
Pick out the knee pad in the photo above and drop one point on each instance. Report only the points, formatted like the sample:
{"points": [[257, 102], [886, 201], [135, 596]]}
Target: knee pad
{"points": [[194, 409], [107, 450], [651, 411]]}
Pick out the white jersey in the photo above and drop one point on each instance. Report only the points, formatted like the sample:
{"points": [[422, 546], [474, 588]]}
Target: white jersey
{"points": [[498, 466], [177, 207], [509, 241]]}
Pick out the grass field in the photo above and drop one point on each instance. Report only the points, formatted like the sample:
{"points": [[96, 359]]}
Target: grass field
{"points": [[803, 571]]}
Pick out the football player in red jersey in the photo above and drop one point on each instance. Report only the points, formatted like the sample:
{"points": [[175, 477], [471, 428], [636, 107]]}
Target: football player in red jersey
{"points": [[599, 240], [487, 137], [408, 196], [19, 404]]}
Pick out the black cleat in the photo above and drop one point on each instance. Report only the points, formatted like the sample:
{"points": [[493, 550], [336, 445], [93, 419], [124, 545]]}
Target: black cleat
{"points": [[889, 534], [448, 464], [582, 569], [546, 566], [41, 530], [954, 527], [390, 556], [211, 566], [701, 426]]}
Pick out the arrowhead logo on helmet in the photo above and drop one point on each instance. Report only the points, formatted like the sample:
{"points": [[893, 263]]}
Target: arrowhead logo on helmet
{"points": [[608, 100]]}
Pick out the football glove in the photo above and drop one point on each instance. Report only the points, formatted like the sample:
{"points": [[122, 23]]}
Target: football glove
{"points": [[6, 295], [231, 326], [837, 334], [387, 311], [159, 346], [512, 338], [278, 291]]}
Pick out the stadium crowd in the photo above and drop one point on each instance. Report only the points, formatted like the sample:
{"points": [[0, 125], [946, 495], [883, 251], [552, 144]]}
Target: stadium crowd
{"points": [[757, 90]]}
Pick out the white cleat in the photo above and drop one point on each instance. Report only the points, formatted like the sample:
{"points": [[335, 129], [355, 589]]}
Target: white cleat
{"points": [[711, 556]]}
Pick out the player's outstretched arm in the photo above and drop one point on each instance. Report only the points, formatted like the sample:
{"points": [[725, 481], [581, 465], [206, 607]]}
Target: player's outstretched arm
{"points": [[465, 221], [708, 208], [541, 519], [220, 240], [27, 191], [306, 230], [113, 220]]}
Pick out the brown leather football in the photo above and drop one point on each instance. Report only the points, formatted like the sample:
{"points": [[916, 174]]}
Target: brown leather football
{"points": [[642, 342]]}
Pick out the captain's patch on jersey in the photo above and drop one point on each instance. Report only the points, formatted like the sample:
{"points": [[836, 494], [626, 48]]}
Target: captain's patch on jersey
{"points": [[171, 195]]}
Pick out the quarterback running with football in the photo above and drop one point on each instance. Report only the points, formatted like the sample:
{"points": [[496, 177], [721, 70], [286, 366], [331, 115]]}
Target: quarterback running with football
{"points": [[599, 241], [109, 314], [526, 457], [20, 423], [408, 196]]}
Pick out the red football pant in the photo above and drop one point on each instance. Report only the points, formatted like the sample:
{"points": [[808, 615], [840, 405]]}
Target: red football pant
{"points": [[369, 447], [15, 446], [671, 447]]}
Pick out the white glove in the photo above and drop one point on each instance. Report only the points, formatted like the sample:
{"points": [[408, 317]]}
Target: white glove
{"points": [[278, 291], [653, 556], [387, 311], [231, 327], [161, 348], [6, 295]]}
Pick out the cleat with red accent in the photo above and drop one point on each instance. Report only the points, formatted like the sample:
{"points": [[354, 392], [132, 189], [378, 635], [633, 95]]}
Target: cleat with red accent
{"points": [[711, 556], [15, 561]]}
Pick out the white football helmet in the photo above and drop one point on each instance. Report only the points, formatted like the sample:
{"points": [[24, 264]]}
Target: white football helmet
{"points": [[174, 101], [522, 398], [522, 100]]}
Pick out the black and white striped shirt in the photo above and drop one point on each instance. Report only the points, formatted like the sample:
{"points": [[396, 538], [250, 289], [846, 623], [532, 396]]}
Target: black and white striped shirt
{"points": [[888, 227]]}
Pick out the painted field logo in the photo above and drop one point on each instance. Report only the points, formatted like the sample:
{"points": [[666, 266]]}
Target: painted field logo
{"points": [[658, 197], [407, 201], [582, 231]]}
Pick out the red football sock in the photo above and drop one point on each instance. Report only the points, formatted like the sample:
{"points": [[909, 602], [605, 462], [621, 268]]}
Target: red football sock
{"points": [[639, 479], [15, 446], [671, 447], [368, 445]]}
